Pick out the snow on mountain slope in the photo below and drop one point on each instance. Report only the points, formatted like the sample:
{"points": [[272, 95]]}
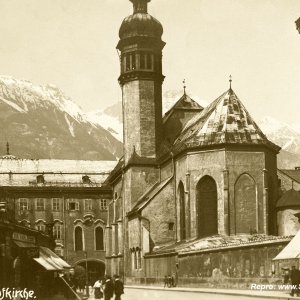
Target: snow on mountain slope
{"points": [[42, 122], [281, 134]]}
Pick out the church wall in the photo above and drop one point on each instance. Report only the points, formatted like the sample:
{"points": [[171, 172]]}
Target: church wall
{"points": [[161, 214], [166, 170], [190, 170], [137, 180], [253, 164], [273, 190]]}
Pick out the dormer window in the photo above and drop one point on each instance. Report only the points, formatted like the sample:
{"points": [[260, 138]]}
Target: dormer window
{"points": [[86, 179], [40, 179]]}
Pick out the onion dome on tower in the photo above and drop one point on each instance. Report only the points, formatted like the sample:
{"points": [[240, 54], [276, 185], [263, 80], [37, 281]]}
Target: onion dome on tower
{"points": [[140, 23]]}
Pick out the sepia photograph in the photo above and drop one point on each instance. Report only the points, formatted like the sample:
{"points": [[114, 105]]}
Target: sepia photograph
{"points": [[149, 149]]}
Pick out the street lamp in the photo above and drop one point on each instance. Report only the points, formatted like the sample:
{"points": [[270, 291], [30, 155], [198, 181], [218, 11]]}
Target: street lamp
{"points": [[86, 276]]}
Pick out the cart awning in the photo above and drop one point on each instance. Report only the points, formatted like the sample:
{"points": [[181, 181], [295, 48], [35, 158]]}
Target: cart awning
{"points": [[291, 250], [51, 261]]}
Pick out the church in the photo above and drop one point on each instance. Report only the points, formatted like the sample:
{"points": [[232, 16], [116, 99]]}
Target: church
{"points": [[195, 194]]}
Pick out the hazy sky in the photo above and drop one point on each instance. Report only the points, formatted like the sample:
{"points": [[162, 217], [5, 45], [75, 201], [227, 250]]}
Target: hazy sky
{"points": [[71, 43]]}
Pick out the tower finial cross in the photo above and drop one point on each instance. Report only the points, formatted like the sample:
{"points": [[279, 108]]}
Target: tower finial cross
{"points": [[7, 148], [184, 86], [230, 80]]}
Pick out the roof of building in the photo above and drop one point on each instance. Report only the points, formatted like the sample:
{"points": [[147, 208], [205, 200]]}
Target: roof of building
{"points": [[24, 172], [219, 242], [184, 103], [292, 174], [224, 121], [292, 250], [145, 199], [288, 199]]}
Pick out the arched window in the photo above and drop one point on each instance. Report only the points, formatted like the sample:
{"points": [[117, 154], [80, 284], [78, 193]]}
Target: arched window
{"points": [[182, 220], [245, 205], [78, 239], [99, 236], [207, 207], [139, 259]]}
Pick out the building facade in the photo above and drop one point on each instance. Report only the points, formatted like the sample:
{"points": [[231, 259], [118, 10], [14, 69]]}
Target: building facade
{"points": [[192, 183], [70, 195]]}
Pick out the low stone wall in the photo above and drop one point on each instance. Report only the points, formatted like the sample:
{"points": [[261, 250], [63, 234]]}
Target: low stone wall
{"points": [[235, 267]]}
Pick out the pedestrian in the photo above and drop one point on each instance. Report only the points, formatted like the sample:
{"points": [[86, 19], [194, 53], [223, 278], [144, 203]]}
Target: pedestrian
{"points": [[108, 289], [119, 287], [98, 289], [166, 281], [173, 281], [295, 280], [169, 281]]}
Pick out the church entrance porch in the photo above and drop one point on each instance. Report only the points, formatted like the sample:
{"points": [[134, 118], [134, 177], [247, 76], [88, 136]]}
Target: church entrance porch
{"points": [[93, 269]]}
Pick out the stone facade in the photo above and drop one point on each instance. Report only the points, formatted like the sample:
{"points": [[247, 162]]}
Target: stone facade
{"points": [[192, 183], [66, 194]]}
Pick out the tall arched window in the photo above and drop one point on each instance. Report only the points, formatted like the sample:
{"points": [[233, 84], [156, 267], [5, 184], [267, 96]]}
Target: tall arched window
{"points": [[78, 239], [99, 236], [182, 219], [207, 207], [245, 205]]}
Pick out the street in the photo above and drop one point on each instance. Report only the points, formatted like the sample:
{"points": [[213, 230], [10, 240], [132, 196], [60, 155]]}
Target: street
{"points": [[169, 294]]}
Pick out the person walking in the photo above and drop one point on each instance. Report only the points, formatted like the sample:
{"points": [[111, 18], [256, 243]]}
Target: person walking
{"points": [[166, 281], [98, 289], [119, 288], [295, 279], [108, 288]]}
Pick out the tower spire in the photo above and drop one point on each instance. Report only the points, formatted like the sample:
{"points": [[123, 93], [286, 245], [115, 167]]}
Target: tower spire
{"points": [[140, 6], [184, 87], [230, 81]]}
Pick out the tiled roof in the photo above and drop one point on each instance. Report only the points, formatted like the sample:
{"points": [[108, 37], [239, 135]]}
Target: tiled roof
{"points": [[149, 194], [184, 103], [289, 198], [24, 172], [293, 174], [224, 121]]}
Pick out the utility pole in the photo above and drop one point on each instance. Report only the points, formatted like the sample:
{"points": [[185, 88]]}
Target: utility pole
{"points": [[86, 276]]}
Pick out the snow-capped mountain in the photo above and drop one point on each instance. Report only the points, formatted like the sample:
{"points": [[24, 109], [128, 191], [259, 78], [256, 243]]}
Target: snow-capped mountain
{"points": [[41, 122], [282, 134], [110, 119]]}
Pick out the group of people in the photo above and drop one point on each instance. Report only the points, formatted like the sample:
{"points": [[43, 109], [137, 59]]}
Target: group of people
{"points": [[169, 281], [107, 287]]}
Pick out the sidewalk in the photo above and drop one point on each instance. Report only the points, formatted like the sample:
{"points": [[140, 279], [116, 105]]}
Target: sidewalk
{"points": [[250, 293]]}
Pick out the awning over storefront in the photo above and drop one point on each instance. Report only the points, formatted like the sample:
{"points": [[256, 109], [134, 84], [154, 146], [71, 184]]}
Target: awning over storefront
{"points": [[292, 249], [50, 261]]}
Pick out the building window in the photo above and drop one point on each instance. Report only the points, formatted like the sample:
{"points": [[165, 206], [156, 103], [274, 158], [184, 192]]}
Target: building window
{"points": [[40, 227], [23, 204], [57, 231], [88, 205], [56, 204], [99, 236], [143, 61], [149, 61], [139, 259], [40, 204], [40, 179], [171, 226], [73, 205], [78, 239], [116, 196], [86, 179], [103, 204]]}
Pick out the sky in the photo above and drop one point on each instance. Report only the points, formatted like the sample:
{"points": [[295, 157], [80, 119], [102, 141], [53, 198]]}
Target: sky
{"points": [[72, 44]]}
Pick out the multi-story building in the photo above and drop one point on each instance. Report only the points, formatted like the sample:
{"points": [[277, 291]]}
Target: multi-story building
{"points": [[70, 195]]}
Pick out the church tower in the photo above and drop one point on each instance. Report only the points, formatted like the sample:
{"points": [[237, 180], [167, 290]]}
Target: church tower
{"points": [[141, 80]]}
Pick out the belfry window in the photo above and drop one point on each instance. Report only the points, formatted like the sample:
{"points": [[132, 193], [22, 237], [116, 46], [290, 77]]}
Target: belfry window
{"points": [[127, 58], [149, 61], [142, 61]]}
